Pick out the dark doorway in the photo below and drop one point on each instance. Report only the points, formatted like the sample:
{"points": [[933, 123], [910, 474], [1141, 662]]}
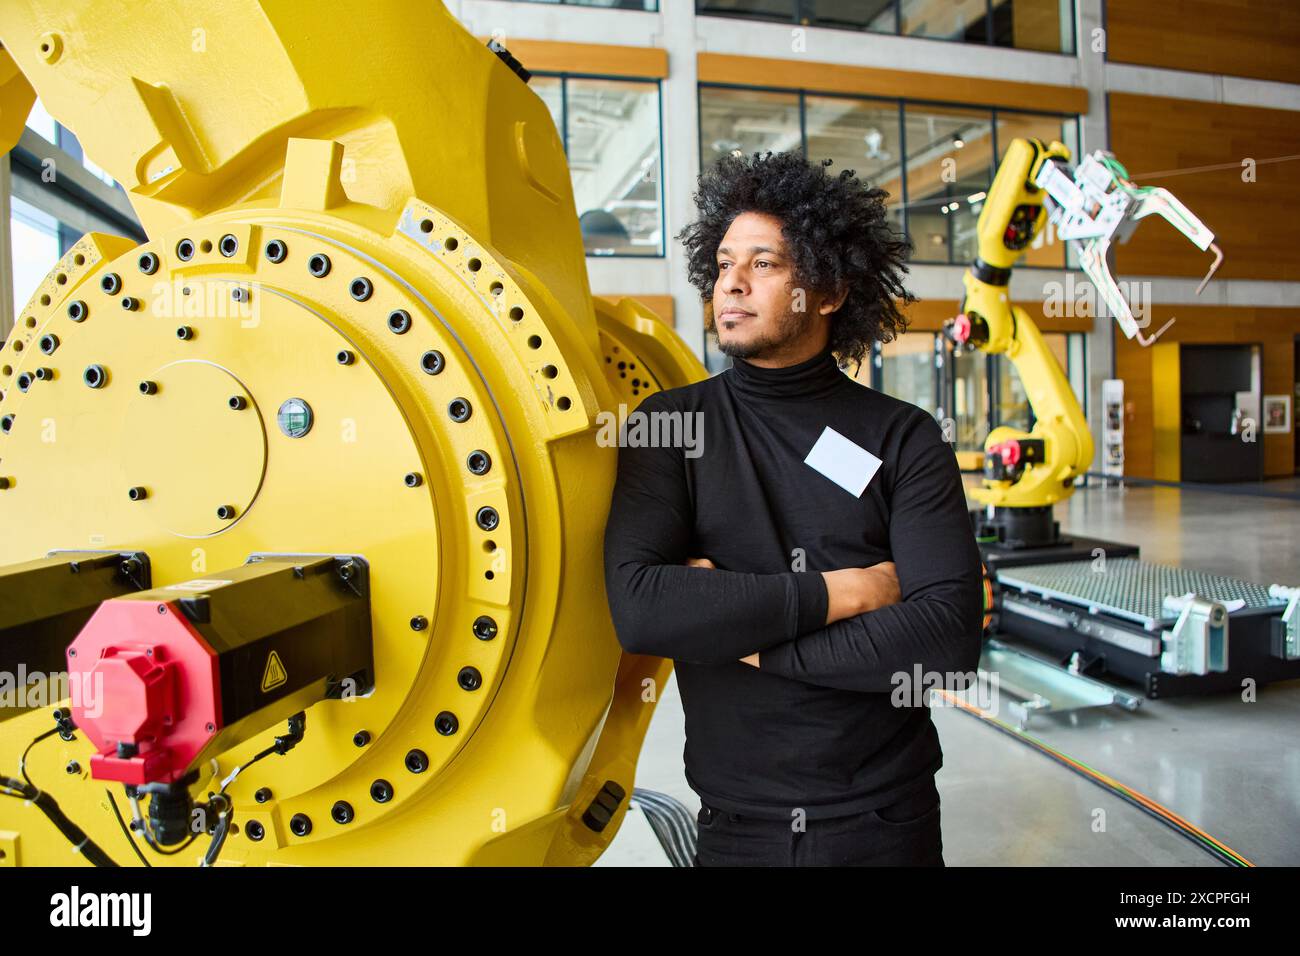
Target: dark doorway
{"points": [[1219, 385]]}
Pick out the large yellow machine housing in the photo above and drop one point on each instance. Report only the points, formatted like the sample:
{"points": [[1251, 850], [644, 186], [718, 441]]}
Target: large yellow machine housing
{"points": [[366, 212]]}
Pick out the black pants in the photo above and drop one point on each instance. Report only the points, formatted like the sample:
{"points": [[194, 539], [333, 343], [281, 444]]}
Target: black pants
{"points": [[905, 833]]}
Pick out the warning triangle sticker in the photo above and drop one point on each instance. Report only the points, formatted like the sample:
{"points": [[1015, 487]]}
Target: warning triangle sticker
{"points": [[275, 674]]}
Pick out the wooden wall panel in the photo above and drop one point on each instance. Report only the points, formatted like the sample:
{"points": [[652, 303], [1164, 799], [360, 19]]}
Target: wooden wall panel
{"points": [[1161, 141], [1256, 38], [1037, 26], [1273, 329]]}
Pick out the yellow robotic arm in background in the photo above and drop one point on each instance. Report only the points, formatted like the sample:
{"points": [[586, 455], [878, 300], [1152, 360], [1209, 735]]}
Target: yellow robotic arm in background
{"points": [[1026, 473], [323, 450]]}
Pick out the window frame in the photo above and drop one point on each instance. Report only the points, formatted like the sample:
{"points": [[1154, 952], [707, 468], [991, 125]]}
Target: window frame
{"points": [[802, 16], [901, 104], [590, 6], [564, 77]]}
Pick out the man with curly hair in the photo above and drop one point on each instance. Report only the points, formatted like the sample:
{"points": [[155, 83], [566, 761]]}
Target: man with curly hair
{"points": [[811, 569]]}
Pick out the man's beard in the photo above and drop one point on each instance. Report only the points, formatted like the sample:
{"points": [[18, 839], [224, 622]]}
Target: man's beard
{"points": [[789, 328]]}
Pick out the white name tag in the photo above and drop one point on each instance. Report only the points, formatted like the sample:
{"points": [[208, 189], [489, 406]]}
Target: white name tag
{"points": [[842, 461]]}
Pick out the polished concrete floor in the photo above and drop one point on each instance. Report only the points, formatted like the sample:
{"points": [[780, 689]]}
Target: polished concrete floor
{"points": [[1229, 767]]}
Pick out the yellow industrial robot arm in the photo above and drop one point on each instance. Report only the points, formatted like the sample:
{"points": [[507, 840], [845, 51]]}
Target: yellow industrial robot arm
{"points": [[1089, 205], [1035, 468], [16, 99]]}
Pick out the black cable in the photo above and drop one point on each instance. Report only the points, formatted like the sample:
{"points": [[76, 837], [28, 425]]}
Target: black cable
{"points": [[222, 829], [238, 770], [50, 807], [180, 849], [218, 841], [157, 848], [283, 744], [125, 830], [27, 790], [22, 762]]}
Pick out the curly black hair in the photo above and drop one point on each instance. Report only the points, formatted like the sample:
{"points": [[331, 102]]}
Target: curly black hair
{"points": [[836, 230]]}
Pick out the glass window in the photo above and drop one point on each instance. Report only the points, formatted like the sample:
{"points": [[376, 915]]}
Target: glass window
{"points": [[981, 403], [781, 10], [34, 236], [551, 91], [42, 123], [878, 16], [1026, 24], [1046, 25], [650, 6], [949, 170], [612, 142], [1012, 407], [741, 122], [862, 135], [950, 160], [72, 146], [94, 170], [1077, 351], [965, 20], [907, 369], [971, 399]]}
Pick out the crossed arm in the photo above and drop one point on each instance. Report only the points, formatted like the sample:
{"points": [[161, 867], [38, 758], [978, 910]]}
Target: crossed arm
{"points": [[936, 622], [847, 628], [664, 608]]}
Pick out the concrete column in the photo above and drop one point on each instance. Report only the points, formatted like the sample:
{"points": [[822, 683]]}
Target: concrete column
{"points": [[1094, 134], [681, 162]]}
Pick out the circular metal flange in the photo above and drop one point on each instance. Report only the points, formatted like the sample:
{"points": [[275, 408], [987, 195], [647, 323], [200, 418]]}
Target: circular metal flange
{"points": [[375, 420]]}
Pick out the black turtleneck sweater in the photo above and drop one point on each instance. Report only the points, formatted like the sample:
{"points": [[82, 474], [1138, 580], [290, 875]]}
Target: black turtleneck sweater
{"points": [[819, 725]]}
